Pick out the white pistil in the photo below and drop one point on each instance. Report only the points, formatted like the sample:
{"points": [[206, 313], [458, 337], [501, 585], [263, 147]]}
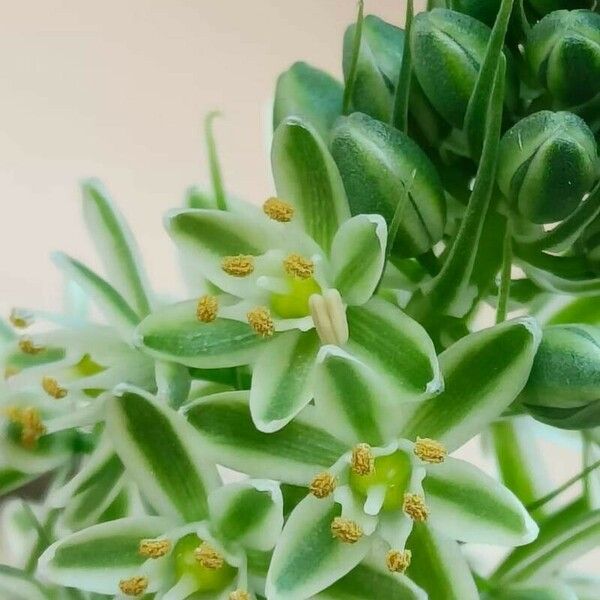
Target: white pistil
{"points": [[329, 316]]}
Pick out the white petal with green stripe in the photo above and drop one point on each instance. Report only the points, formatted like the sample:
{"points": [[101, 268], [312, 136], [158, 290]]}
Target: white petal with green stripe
{"points": [[294, 454], [483, 374], [357, 257], [18, 585], [162, 455], [282, 381], [554, 590]]}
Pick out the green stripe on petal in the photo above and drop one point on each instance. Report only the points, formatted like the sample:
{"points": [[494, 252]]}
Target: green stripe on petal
{"points": [[18, 585], [294, 454], [359, 241], [308, 558], [553, 591], [395, 346], [282, 381], [468, 505], [11, 479], [97, 558], [175, 334], [162, 455], [483, 374], [306, 175]]}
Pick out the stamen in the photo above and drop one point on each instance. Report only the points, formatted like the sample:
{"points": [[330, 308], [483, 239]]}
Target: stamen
{"points": [[208, 557], [207, 309], [296, 265], [9, 371], [20, 319], [27, 346], [363, 461], [323, 485], [260, 320], [51, 387], [414, 506], [239, 595], [398, 561], [135, 586], [154, 548], [238, 266], [32, 427], [429, 450], [278, 210], [345, 530]]}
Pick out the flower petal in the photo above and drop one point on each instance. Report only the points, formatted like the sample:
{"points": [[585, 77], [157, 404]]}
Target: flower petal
{"points": [[18, 585], [552, 591]]}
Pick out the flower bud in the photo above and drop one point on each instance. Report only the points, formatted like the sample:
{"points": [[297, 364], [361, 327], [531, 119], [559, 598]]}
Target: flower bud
{"points": [[547, 162], [563, 51], [564, 384]]}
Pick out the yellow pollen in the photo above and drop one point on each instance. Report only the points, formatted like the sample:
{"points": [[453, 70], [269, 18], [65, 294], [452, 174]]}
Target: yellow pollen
{"points": [[207, 308], [363, 461], [154, 548], [239, 595], [208, 557], [260, 320], [429, 450], [32, 428], [238, 266], [51, 387], [27, 346], [10, 371], [278, 210], [323, 485], [345, 530], [398, 561], [414, 506], [296, 265], [135, 586], [20, 319]]}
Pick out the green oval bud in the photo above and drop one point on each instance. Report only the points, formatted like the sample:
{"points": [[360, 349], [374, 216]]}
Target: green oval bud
{"points": [[563, 51], [377, 163], [547, 162], [564, 384], [447, 49]]}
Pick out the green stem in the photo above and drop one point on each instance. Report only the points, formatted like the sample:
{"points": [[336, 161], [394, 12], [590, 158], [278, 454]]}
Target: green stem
{"points": [[349, 89], [43, 539], [402, 94], [559, 490], [213, 161], [504, 291]]}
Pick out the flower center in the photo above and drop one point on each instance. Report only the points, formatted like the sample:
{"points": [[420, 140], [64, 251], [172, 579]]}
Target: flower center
{"points": [[392, 471], [192, 559], [294, 304]]}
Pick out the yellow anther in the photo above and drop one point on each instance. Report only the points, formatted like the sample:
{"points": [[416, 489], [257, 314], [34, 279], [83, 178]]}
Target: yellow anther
{"points": [[260, 320], [363, 461], [346, 530], [414, 506], [208, 557], [322, 485], [32, 427], [51, 387], [238, 266], [239, 595], [27, 346], [207, 309], [10, 371], [135, 586], [20, 319], [429, 450], [296, 265], [154, 548], [398, 561], [278, 210]]}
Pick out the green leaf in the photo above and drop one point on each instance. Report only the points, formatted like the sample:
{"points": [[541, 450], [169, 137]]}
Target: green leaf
{"points": [[483, 374], [18, 585], [175, 334], [306, 176], [97, 558], [161, 453], [115, 246], [308, 558], [580, 310], [294, 454]]}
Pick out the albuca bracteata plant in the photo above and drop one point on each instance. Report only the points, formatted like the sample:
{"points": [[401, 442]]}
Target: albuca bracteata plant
{"points": [[287, 431]]}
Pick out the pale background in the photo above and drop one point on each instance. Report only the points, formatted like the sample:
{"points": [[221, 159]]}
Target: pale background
{"points": [[118, 90]]}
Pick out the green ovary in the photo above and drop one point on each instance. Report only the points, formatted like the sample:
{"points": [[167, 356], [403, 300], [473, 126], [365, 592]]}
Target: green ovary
{"points": [[392, 471], [207, 580], [294, 304]]}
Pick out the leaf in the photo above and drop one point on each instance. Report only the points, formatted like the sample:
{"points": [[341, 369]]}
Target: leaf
{"points": [[308, 558], [162, 455], [18, 585], [580, 310], [294, 454], [97, 558], [306, 176], [115, 246], [483, 374], [175, 334]]}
